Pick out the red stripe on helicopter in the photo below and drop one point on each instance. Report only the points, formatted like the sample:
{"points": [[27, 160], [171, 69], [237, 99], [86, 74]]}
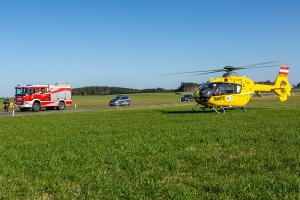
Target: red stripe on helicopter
{"points": [[284, 70]]}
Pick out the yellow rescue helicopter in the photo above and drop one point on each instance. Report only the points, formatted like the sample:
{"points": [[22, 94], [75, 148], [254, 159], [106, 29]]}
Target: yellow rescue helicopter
{"points": [[233, 91]]}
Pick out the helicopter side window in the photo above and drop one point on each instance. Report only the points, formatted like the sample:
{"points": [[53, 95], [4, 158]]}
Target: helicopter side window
{"points": [[230, 89], [223, 89], [227, 88]]}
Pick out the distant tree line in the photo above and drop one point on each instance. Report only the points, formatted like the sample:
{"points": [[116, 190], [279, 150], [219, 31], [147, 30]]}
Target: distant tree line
{"points": [[106, 90], [268, 82], [296, 85]]}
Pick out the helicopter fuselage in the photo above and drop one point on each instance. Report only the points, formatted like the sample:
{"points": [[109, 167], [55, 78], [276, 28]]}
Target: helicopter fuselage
{"points": [[230, 91]]}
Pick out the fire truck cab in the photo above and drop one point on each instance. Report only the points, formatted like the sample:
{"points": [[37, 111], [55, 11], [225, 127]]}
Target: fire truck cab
{"points": [[36, 97]]}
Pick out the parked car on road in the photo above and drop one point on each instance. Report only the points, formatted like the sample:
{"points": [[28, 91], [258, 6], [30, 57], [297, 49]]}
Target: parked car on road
{"points": [[120, 101], [187, 98]]}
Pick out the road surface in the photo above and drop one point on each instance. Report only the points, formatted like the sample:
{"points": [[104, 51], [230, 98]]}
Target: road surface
{"points": [[88, 108]]}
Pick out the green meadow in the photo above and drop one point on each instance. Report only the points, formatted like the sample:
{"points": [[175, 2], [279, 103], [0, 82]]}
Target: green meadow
{"points": [[159, 152]]}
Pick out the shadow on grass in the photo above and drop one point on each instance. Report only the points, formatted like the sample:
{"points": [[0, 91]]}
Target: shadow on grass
{"points": [[211, 111], [260, 108], [186, 111]]}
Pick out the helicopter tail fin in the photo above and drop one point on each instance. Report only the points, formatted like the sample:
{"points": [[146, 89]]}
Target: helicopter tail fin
{"points": [[282, 86]]}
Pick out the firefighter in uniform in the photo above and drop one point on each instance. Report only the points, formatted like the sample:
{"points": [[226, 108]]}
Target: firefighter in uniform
{"points": [[6, 104]]}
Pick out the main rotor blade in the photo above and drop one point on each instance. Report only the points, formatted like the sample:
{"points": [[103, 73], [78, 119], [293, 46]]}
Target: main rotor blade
{"points": [[216, 71], [239, 68], [234, 69], [262, 63], [191, 72], [202, 72]]}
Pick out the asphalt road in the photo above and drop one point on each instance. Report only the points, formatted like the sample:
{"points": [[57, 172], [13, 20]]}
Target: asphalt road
{"points": [[90, 108]]}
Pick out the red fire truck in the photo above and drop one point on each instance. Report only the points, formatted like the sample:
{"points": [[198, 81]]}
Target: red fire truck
{"points": [[36, 97]]}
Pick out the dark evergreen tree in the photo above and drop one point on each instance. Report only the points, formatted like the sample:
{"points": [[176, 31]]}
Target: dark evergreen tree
{"points": [[297, 85], [187, 87]]}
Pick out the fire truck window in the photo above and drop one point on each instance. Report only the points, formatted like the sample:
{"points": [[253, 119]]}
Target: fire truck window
{"points": [[37, 90], [30, 91], [43, 90]]}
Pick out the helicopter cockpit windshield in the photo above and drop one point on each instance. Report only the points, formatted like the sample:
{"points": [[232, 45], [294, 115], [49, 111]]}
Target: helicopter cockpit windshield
{"points": [[207, 89]]}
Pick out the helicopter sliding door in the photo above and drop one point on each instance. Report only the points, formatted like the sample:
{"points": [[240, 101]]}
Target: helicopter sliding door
{"points": [[229, 88], [228, 94]]}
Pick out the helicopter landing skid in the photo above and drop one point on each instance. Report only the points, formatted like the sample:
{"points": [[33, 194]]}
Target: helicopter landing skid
{"points": [[218, 111], [223, 109]]}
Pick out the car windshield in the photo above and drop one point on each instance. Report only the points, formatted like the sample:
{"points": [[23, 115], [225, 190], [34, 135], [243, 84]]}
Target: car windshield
{"points": [[203, 85], [118, 98], [24, 91]]}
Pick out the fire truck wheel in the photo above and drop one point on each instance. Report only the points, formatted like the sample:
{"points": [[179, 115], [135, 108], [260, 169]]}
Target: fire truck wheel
{"points": [[36, 106], [61, 105]]}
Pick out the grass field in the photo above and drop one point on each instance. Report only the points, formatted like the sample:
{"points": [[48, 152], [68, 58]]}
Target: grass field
{"points": [[164, 152]]}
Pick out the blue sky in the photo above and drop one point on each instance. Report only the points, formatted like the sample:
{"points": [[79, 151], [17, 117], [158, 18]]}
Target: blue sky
{"points": [[130, 43]]}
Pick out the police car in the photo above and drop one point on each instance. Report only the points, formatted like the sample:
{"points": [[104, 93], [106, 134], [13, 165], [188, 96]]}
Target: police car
{"points": [[120, 101]]}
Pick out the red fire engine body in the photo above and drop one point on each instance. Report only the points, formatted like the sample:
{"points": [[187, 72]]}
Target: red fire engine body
{"points": [[36, 97]]}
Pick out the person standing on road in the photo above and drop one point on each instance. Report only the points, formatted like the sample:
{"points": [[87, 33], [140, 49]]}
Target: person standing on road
{"points": [[6, 104]]}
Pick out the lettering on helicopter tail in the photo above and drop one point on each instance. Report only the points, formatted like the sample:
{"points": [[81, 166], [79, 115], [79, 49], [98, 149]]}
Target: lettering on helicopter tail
{"points": [[229, 98]]}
